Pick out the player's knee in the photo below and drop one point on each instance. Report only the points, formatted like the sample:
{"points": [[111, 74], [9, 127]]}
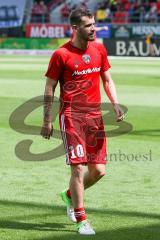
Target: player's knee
{"points": [[99, 173]]}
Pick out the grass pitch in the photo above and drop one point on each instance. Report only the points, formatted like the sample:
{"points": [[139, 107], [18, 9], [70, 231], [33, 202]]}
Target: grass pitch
{"points": [[124, 205]]}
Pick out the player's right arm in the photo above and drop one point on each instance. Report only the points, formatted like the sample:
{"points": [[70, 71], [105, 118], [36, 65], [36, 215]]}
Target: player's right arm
{"points": [[47, 128], [54, 71], [109, 85]]}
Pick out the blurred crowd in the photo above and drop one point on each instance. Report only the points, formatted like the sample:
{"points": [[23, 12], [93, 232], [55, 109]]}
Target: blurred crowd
{"points": [[40, 12], [68, 7], [107, 11], [128, 11]]}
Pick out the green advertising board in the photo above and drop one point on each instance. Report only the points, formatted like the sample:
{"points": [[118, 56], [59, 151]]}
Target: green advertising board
{"points": [[134, 30], [31, 43]]}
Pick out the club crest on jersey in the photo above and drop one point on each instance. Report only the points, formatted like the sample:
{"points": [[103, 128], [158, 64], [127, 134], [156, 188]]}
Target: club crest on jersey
{"points": [[86, 58]]}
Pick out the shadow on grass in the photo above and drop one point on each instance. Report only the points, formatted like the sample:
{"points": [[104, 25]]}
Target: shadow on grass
{"points": [[59, 210], [7, 224], [150, 232], [49, 219]]}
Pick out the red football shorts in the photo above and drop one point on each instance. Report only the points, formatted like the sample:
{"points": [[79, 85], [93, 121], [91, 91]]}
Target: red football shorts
{"points": [[84, 139]]}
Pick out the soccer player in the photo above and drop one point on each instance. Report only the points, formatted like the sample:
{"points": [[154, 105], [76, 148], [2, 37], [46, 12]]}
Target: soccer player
{"points": [[78, 65]]}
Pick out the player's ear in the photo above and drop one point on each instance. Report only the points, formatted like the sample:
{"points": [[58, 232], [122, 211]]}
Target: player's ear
{"points": [[74, 28]]}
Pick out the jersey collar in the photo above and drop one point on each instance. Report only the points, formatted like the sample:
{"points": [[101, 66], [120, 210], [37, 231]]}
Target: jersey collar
{"points": [[78, 49]]}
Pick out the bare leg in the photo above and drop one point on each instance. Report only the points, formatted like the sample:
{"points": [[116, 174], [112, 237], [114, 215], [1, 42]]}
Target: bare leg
{"points": [[94, 174], [77, 186], [79, 181]]}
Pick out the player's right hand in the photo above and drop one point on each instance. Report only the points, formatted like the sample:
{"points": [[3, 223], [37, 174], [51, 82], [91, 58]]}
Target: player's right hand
{"points": [[47, 130], [119, 112]]}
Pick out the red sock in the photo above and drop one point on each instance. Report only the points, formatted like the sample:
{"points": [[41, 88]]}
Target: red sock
{"points": [[80, 214], [68, 193]]}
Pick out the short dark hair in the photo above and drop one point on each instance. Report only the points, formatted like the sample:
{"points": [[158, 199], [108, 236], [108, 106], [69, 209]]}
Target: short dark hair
{"points": [[78, 13]]}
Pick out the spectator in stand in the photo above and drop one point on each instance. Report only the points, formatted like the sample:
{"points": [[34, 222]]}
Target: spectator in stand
{"points": [[113, 6], [101, 13], [137, 12], [142, 14], [152, 16], [147, 8], [121, 16], [127, 5], [35, 13], [39, 12], [65, 12], [131, 12], [44, 12]]}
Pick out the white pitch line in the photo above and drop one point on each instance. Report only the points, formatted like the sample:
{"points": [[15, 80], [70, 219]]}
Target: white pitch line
{"points": [[14, 60], [19, 52], [134, 58]]}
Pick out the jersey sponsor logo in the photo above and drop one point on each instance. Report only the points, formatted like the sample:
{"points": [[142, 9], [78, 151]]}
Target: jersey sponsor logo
{"points": [[87, 71], [86, 58]]}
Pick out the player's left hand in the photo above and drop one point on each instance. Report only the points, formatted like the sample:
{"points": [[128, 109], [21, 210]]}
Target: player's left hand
{"points": [[119, 112], [47, 130]]}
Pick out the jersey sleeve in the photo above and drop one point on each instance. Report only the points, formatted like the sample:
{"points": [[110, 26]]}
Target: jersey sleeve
{"points": [[105, 62], [55, 67]]}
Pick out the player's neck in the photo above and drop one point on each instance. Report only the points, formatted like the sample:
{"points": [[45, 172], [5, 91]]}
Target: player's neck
{"points": [[79, 43]]}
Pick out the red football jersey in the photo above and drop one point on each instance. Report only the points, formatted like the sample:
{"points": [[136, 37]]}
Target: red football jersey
{"points": [[78, 72]]}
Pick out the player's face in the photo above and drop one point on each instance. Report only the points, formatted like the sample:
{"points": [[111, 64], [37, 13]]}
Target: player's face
{"points": [[86, 30]]}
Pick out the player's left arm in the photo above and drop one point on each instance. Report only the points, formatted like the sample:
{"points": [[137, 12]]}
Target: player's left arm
{"points": [[110, 90]]}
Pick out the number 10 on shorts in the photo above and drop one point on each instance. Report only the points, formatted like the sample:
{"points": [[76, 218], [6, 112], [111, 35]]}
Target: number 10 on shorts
{"points": [[77, 151]]}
